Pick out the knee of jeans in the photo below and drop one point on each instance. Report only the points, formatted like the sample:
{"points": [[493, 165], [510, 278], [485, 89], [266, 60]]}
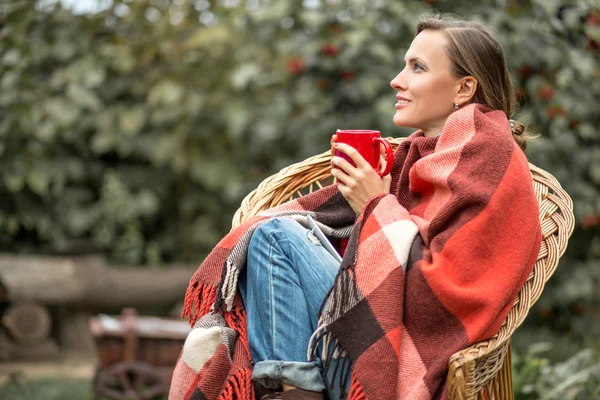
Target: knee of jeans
{"points": [[264, 232], [260, 241], [261, 234], [265, 236]]}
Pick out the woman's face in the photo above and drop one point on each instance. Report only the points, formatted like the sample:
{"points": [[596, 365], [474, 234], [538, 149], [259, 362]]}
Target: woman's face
{"points": [[426, 89]]}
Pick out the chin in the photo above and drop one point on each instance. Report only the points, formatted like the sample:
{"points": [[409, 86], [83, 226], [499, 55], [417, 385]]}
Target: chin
{"points": [[402, 122]]}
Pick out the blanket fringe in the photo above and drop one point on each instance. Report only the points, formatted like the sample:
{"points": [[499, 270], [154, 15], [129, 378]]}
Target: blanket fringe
{"points": [[199, 300], [356, 392], [236, 319], [238, 386]]}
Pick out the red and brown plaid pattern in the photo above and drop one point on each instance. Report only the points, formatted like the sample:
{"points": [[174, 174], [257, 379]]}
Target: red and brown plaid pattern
{"points": [[429, 269]]}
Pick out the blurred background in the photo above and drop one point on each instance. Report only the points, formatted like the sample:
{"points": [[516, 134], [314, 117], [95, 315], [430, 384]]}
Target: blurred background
{"points": [[130, 131]]}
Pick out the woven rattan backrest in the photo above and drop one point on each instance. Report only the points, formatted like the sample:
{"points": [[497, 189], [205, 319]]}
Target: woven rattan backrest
{"points": [[475, 369]]}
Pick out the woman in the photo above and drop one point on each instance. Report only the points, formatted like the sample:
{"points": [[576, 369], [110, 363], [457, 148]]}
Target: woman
{"points": [[437, 252]]}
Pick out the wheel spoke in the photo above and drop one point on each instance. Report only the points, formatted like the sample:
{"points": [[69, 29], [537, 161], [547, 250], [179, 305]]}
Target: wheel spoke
{"points": [[125, 381], [138, 382], [129, 380]]}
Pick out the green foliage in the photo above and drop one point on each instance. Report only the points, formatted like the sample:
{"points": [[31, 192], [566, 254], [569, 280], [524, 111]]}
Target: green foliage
{"points": [[136, 131], [47, 389], [536, 378]]}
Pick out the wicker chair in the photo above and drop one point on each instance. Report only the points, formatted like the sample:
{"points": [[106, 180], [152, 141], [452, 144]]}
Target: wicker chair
{"points": [[482, 371]]}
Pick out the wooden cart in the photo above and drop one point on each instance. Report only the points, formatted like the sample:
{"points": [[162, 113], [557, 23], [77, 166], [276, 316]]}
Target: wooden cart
{"points": [[137, 355]]}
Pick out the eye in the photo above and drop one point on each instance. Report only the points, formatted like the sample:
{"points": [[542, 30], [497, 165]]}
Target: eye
{"points": [[419, 66]]}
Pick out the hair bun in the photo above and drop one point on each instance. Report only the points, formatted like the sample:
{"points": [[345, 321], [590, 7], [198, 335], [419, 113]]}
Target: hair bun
{"points": [[520, 133]]}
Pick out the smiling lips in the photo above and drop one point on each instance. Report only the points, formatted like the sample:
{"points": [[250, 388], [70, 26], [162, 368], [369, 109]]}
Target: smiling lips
{"points": [[402, 102]]}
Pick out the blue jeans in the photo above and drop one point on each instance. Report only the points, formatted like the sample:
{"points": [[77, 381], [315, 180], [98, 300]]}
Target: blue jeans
{"points": [[287, 277]]}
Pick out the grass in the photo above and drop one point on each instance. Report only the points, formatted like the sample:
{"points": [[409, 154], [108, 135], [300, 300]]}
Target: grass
{"points": [[47, 390]]}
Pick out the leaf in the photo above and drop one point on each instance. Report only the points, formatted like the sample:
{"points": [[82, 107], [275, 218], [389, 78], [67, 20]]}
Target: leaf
{"points": [[162, 149], [83, 97], [165, 92], [13, 182], [105, 120], [11, 58], [211, 173], [46, 131], [63, 50], [207, 37], [61, 111], [103, 142], [382, 51], [10, 80], [12, 225], [131, 121], [238, 120], [195, 103], [81, 220], [147, 202], [593, 32], [122, 59], [241, 77], [95, 74], [38, 181]]}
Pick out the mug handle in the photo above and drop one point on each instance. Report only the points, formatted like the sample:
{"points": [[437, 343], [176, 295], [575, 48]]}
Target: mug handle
{"points": [[390, 155]]}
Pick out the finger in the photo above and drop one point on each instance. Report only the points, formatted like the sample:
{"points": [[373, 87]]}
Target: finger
{"points": [[344, 165], [340, 176], [382, 163], [343, 178], [332, 143], [333, 139], [353, 154], [345, 191]]}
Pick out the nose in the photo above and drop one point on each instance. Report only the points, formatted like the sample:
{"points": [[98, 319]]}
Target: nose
{"points": [[399, 83]]}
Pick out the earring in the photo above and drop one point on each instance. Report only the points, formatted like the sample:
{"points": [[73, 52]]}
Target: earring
{"points": [[456, 106]]}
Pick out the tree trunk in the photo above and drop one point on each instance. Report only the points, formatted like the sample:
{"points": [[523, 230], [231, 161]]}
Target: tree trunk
{"points": [[88, 282], [28, 323]]}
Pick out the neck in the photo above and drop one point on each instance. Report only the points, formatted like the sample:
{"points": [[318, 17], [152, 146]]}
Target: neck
{"points": [[431, 134]]}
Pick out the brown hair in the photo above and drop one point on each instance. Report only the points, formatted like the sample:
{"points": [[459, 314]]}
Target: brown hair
{"points": [[473, 51]]}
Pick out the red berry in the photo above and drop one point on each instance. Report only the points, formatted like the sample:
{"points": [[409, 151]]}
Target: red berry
{"points": [[347, 75], [546, 92], [592, 19], [555, 111], [295, 65], [590, 221], [525, 71], [329, 49]]}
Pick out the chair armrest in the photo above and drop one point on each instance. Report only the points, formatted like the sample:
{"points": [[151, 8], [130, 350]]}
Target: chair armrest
{"points": [[471, 369]]}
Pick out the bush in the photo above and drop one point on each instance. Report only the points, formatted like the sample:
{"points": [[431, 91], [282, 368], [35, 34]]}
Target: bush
{"points": [[535, 378]]}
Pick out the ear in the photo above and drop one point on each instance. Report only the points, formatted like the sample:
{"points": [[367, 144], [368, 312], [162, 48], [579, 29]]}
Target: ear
{"points": [[467, 86]]}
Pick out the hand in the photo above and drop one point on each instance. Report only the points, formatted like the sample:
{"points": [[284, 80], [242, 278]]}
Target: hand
{"points": [[357, 184], [332, 143]]}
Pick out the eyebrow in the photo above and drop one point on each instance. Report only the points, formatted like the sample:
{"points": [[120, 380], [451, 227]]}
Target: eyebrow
{"points": [[412, 59]]}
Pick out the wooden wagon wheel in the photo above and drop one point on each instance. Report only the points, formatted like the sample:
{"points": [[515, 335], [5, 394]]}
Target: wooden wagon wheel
{"points": [[129, 380]]}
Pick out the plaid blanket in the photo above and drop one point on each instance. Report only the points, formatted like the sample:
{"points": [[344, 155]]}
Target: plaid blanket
{"points": [[430, 269]]}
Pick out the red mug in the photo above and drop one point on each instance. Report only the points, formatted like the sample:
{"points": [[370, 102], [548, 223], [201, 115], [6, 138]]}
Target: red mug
{"points": [[367, 143]]}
